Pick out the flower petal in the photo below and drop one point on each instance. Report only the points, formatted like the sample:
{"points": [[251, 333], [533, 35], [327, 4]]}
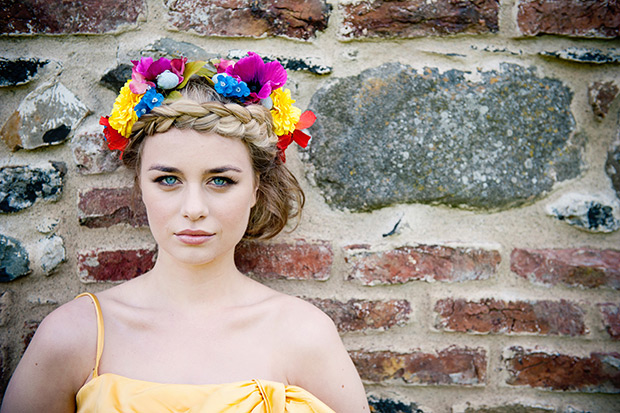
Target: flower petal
{"points": [[301, 138], [306, 120]]}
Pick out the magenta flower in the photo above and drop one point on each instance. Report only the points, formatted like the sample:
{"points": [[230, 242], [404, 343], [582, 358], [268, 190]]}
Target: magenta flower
{"points": [[223, 64], [260, 77], [145, 72]]}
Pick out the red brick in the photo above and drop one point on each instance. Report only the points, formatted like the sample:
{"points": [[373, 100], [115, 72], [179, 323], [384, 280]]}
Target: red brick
{"points": [[451, 366], [236, 18], [67, 17], [498, 316], [30, 327], [104, 207], [406, 19], [118, 265], [422, 262], [299, 260], [577, 18], [601, 95], [584, 267], [611, 319], [600, 372], [358, 315]]}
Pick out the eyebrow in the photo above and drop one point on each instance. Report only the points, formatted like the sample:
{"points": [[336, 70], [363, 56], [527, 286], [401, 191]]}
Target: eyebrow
{"points": [[218, 170]]}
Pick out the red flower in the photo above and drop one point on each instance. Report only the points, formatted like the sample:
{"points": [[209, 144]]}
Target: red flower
{"points": [[114, 140], [305, 121]]}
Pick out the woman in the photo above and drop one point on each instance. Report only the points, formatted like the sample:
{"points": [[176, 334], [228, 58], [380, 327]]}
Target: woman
{"points": [[194, 334]]}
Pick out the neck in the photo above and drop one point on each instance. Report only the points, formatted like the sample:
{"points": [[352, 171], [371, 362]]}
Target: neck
{"points": [[182, 285]]}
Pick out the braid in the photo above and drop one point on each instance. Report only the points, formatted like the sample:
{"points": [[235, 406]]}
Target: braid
{"points": [[252, 124]]}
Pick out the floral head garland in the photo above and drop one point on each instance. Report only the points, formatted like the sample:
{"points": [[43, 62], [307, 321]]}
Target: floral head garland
{"points": [[248, 81]]}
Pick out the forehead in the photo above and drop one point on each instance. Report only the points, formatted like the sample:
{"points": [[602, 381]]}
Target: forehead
{"points": [[189, 148]]}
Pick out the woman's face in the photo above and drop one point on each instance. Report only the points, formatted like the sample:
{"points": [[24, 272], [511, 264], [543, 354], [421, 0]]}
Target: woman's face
{"points": [[198, 189]]}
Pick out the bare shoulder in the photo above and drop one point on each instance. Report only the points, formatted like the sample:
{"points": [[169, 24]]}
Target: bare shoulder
{"points": [[70, 331], [57, 361], [316, 358], [303, 325]]}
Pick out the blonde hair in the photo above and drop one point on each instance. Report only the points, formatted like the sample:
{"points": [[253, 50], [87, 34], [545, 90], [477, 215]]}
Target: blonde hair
{"points": [[279, 196]]}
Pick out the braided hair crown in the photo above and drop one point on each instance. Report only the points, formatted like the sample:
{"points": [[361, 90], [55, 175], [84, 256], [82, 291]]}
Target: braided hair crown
{"points": [[203, 110]]}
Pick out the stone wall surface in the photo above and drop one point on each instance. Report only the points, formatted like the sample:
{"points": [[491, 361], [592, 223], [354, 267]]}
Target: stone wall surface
{"points": [[462, 223]]}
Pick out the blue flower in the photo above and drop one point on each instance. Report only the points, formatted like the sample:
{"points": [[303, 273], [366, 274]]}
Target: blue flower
{"points": [[150, 100], [228, 86]]}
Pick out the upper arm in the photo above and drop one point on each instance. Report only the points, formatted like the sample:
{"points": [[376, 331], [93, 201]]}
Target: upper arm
{"points": [[55, 363], [323, 367]]}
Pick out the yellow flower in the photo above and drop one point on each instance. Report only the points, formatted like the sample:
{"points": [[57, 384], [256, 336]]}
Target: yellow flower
{"points": [[285, 115], [123, 115]]}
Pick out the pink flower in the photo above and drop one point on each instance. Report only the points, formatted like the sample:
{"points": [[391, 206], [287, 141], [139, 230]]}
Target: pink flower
{"points": [[260, 77], [223, 64], [145, 72]]}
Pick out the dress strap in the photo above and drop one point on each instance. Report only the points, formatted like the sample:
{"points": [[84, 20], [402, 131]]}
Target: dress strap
{"points": [[100, 331]]}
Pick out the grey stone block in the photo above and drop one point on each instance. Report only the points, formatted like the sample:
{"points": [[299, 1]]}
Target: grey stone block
{"points": [[391, 135]]}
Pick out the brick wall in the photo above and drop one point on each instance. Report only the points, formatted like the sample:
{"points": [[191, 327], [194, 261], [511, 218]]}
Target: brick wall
{"points": [[463, 183]]}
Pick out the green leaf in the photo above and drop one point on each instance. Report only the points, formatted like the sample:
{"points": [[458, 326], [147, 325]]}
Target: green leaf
{"points": [[172, 96], [191, 68]]}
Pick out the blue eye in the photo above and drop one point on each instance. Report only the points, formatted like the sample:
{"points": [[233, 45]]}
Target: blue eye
{"points": [[220, 181], [168, 180]]}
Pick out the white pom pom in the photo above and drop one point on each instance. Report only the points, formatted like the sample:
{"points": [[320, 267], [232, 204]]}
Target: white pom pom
{"points": [[167, 80], [267, 102]]}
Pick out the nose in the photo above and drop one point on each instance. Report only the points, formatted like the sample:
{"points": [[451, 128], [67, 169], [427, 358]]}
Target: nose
{"points": [[194, 205]]}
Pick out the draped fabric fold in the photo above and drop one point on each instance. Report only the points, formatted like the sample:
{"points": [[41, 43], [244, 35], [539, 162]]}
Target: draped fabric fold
{"points": [[111, 393]]}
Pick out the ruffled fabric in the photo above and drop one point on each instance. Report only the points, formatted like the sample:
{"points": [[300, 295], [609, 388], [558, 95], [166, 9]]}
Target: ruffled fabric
{"points": [[109, 393]]}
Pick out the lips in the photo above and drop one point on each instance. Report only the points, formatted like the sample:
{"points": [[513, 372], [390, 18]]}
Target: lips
{"points": [[193, 237]]}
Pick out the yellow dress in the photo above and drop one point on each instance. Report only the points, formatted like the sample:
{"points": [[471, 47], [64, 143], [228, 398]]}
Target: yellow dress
{"points": [[109, 393]]}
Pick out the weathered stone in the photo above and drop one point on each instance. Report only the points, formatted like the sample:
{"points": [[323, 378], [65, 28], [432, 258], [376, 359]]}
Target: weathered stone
{"points": [[600, 372], [52, 253], [92, 155], [391, 135], [104, 207], [451, 366], [114, 266], [49, 17], [299, 260], [20, 71], [21, 186], [584, 55], [6, 302], [583, 267], [307, 64], [422, 262], [576, 18], [383, 405], [495, 316], [47, 225], [116, 78], [600, 95], [611, 319], [47, 116], [166, 47], [5, 370], [14, 261], [612, 165], [357, 315], [415, 18], [593, 213], [232, 18]]}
